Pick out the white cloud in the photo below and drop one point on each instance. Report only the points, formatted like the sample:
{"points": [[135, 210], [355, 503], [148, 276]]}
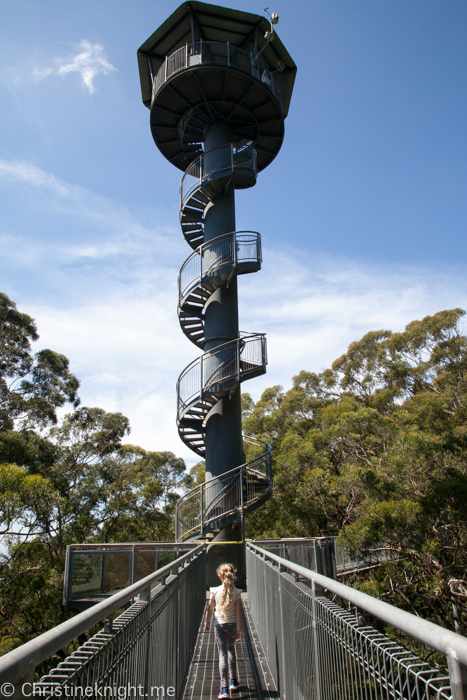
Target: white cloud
{"points": [[104, 228], [89, 62]]}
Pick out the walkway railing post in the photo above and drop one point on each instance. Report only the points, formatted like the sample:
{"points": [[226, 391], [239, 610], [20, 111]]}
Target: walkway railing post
{"points": [[457, 676], [315, 642], [145, 596], [282, 673]]}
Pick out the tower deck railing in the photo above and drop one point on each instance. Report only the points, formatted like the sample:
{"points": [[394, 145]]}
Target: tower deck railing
{"points": [[227, 363], [320, 646], [212, 164], [231, 249], [212, 53]]}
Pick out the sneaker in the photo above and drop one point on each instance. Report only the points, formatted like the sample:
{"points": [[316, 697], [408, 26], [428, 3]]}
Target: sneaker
{"points": [[234, 684], [224, 693]]}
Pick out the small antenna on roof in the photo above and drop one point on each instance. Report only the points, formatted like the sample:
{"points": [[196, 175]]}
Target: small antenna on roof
{"points": [[274, 19]]}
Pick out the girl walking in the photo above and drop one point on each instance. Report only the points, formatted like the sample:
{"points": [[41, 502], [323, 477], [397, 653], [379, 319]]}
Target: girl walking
{"points": [[226, 604]]}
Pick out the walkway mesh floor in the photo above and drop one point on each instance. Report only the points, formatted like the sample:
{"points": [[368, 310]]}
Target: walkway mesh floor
{"points": [[203, 677]]}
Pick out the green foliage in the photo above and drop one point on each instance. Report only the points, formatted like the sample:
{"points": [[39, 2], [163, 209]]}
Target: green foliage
{"points": [[31, 387], [196, 475], [62, 483], [374, 450]]}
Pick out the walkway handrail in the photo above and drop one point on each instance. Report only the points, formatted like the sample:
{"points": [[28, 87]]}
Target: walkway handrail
{"points": [[453, 645], [214, 52], [218, 366], [229, 249], [219, 160], [19, 663]]}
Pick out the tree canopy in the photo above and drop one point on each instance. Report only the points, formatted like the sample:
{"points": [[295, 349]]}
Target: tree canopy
{"points": [[64, 482], [374, 449]]}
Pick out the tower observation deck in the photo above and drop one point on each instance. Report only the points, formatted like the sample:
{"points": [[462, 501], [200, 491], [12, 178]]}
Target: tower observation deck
{"points": [[218, 84]]}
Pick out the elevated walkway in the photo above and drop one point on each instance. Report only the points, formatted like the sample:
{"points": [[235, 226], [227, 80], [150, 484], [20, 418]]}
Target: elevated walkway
{"points": [[307, 637], [256, 681]]}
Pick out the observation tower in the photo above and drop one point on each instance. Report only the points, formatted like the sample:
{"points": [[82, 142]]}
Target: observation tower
{"points": [[218, 84]]}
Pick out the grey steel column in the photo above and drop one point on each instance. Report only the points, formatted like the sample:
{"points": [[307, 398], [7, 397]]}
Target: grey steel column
{"points": [[224, 446], [224, 428]]}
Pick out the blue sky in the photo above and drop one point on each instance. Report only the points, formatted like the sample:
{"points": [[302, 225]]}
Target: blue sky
{"points": [[363, 213]]}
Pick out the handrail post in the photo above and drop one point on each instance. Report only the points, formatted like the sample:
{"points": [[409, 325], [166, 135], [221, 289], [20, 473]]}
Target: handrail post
{"points": [[228, 53], [145, 596], [457, 676], [165, 78], [238, 359], [242, 503], [202, 509], [315, 641], [201, 260], [132, 566], [186, 55], [201, 375]]}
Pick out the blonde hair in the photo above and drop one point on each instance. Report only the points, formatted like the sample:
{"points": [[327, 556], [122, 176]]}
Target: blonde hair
{"points": [[226, 573]]}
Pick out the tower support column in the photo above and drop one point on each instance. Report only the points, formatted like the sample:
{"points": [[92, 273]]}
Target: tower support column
{"points": [[224, 449], [223, 438]]}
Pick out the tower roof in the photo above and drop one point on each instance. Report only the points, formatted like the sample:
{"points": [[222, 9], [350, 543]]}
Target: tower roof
{"points": [[194, 21]]}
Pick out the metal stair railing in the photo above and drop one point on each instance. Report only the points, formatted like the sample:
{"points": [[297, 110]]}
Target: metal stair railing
{"points": [[214, 164], [321, 648], [146, 647], [208, 373], [228, 495], [218, 53], [230, 249]]}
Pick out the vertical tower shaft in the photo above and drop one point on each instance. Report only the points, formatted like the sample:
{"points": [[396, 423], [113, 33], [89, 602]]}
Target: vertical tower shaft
{"points": [[223, 427]]}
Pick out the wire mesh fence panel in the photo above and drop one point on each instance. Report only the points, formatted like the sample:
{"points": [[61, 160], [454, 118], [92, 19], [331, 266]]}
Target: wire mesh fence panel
{"points": [[317, 649]]}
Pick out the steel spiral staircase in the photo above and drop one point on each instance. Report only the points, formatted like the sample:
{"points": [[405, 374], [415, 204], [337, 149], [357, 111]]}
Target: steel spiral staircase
{"points": [[226, 498], [218, 90]]}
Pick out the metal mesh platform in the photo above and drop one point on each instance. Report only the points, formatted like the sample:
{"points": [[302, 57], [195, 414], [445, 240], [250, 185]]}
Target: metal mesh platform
{"points": [[203, 680]]}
